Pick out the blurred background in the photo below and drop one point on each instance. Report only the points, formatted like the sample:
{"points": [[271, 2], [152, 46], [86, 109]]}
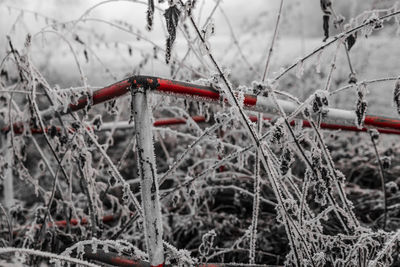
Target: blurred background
{"points": [[111, 42]]}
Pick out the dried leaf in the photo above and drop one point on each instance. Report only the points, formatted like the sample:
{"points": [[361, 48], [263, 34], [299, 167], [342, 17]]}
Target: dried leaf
{"points": [[28, 40], [338, 20], [352, 78], [351, 40], [374, 134], [85, 53], [150, 14], [209, 30], [396, 95], [4, 73], [76, 38], [362, 104], [172, 18], [360, 112], [326, 26], [325, 5]]}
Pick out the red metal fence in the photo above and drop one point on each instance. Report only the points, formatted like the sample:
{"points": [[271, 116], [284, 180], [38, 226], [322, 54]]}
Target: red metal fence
{"points": [[335, 120]]}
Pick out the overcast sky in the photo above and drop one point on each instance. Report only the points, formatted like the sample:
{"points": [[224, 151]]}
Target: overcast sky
{"points": [[134, 13]]}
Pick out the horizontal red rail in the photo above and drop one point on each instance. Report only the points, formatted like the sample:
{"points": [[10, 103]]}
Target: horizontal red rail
{"points": [[18, 128], [210, 94], [63, 223], [117, 260]]}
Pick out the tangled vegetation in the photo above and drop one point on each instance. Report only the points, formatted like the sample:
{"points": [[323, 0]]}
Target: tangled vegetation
{"points": [[223, 184]]}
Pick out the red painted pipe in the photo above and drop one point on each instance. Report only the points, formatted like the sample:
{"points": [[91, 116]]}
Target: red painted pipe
{"points": [[329, 126], [102, 95], [176, 121], [210, 94], [63, 223], [83, 221], [117, 260], [112, 259], [18, 128]]}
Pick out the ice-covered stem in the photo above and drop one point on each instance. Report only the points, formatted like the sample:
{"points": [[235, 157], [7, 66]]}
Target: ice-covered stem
{"points": [[256, 199], [186, 152], [282, 113], [336, 38], [386, 251], [264, 154], [148, 175], [51, 256], [256, 207], [8, 185], [331, 168], [374, 137], [345, 45], [235, 40], [9, 225], [232, 98], [332, 69], [190, 48], [56, 185], [355, 85], [144, 38], [115, 172], [271, 48], [29, 77], [150, 14]]}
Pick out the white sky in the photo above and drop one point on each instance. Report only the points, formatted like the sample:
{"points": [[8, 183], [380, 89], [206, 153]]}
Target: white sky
{"points": [[134, 13]]}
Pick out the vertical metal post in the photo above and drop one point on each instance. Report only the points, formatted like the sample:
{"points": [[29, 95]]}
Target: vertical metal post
{"points": [[148, 175], [8, 185]]}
